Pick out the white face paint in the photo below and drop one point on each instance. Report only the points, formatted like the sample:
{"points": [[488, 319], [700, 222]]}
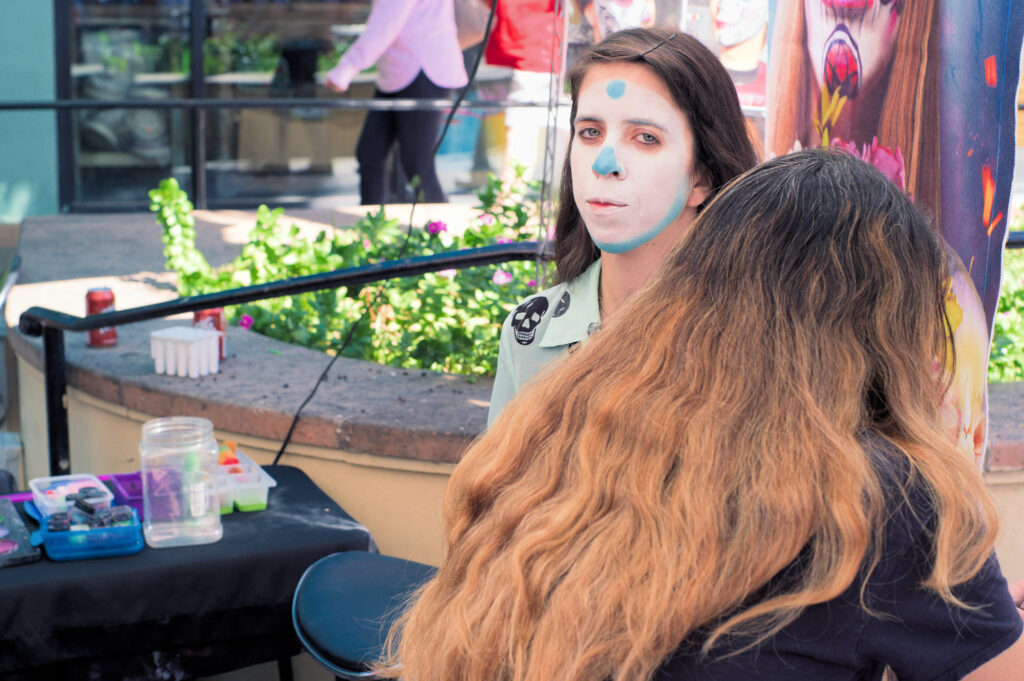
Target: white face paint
{"points": [[737, 21], [632, 159], [615, 15]]}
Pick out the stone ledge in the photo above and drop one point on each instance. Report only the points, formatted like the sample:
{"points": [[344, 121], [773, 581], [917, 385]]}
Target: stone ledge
{"points": [[1006, 427], [360, 407]]}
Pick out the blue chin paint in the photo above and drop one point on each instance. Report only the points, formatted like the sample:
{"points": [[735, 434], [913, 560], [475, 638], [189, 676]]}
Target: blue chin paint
{"points": [[605, 163], [616, 88], [682, 194]]}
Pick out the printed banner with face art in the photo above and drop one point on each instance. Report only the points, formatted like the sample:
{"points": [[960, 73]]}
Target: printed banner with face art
{"points": [[924, 90]]}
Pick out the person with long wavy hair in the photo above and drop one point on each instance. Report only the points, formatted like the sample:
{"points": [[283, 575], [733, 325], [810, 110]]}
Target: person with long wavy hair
{"points": [[745, 475], [656, 131]]}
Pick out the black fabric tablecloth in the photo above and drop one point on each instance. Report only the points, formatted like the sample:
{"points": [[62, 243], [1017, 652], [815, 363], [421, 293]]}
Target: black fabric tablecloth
{"points": [[175, 612]]}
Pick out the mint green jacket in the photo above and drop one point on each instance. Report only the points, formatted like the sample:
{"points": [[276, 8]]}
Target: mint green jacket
{"points": [[542, 329]]}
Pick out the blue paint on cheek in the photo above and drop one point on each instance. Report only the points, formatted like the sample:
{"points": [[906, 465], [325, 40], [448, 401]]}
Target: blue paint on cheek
{"points": [[605, 164], [682, 194], [616, 88]]}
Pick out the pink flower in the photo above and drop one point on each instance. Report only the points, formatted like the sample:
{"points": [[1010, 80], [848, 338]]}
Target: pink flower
{"points": [[532, 282], [504, 240], [246, 322], [447, 274], [501, 277], [487, 219], [436, 227], [889, 161]]}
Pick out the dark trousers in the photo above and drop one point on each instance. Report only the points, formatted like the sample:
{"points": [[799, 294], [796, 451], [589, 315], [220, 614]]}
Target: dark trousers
{"points": [[416, 134]]}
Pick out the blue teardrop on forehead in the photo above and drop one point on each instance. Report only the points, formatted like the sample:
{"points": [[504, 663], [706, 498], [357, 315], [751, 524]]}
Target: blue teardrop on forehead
{"points": [[605, 163], [616, 88]]}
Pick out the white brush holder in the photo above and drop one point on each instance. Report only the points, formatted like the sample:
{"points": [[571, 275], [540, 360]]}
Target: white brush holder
{"points": [[185, 351]]}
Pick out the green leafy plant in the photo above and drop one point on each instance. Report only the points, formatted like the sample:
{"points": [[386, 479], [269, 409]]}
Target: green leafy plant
{"points": [[445, 321], [1006, 359]]}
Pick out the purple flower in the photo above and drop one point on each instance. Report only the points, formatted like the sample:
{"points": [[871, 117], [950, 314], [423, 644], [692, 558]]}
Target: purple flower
{"points": [[487, 219], [504, 240], [447, 274], [501, 277], [531, 283], [436, 227], [246, 322]]}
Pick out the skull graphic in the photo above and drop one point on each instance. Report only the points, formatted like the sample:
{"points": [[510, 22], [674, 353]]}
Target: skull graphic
{"points": [[527, 317], [563, 305]]}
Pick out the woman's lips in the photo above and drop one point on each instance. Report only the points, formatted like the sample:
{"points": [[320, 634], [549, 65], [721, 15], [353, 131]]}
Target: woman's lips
{"points": [[604, 205]]}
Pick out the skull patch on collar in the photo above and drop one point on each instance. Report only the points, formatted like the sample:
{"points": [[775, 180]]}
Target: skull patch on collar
{"points": [[526, 319]]}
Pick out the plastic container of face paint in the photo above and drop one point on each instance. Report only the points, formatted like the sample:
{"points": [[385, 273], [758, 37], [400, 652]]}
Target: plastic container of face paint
{"points": [[51, 494], [180, 486], [246, 484]]}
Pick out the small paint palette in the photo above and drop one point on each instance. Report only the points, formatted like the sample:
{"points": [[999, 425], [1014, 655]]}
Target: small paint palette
{"points": [[60, 493], [15, 545], [243, 485], [83, 532]]}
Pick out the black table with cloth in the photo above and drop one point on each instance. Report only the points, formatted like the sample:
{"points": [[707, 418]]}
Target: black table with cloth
{"points": [[175, 612]]}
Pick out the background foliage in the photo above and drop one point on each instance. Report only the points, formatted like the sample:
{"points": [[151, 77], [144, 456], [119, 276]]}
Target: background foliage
{"points": [[446, 321], [1006, 359]]}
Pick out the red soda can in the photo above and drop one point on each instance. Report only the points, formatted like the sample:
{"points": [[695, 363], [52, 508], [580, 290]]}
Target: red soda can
{"points": [[212, 318], [98, 300]]}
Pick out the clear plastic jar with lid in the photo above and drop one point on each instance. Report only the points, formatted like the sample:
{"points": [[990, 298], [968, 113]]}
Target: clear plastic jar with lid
{"points": [[179, 482]]}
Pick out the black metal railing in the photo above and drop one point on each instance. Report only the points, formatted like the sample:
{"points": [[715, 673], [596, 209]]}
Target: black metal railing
{"points": [[51, 324]]}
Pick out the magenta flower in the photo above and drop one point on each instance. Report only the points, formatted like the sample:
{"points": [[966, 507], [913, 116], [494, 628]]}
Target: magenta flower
{"points": [[889, 161], [532, 282], [501, 277], [246, 322], [436, 227], [504, 240], [447, 274]]}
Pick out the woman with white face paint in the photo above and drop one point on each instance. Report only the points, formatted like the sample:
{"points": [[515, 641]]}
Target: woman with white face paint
{"points": [[657, 130]]}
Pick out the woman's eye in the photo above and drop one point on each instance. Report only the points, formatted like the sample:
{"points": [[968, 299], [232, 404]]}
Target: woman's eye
{"points": [[589, 133], [648, 138]]}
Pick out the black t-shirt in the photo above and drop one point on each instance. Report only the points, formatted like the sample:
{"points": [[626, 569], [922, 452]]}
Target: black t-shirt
{"points": [[919, 635]]}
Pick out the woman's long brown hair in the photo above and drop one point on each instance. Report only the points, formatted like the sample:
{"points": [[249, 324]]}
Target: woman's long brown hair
{"points": [[647, 486]]}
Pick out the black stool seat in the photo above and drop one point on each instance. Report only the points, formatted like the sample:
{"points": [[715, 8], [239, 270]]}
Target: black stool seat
{"points": [[345, 604]]}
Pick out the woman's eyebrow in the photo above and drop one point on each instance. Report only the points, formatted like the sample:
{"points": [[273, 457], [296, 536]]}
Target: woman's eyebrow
{"points": [[646, 122], [589, 119]]}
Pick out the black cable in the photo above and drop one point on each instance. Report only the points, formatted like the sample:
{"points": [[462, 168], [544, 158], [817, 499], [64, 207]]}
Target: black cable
{"points": [[405, 243]]}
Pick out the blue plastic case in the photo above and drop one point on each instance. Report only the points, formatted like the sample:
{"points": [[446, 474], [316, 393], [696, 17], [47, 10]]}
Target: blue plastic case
{"points": [[94, 542]]}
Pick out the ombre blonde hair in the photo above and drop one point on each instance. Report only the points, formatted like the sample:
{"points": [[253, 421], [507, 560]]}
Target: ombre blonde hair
{"points": [[641, 491]]}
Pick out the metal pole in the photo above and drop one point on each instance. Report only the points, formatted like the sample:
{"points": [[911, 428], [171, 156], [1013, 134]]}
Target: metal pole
{"points": [[197, 29], [55, 374], [66, 189]]}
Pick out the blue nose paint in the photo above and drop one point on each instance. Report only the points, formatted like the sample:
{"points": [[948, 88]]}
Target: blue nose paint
{"points": [[616, 88], [605, 164]]}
